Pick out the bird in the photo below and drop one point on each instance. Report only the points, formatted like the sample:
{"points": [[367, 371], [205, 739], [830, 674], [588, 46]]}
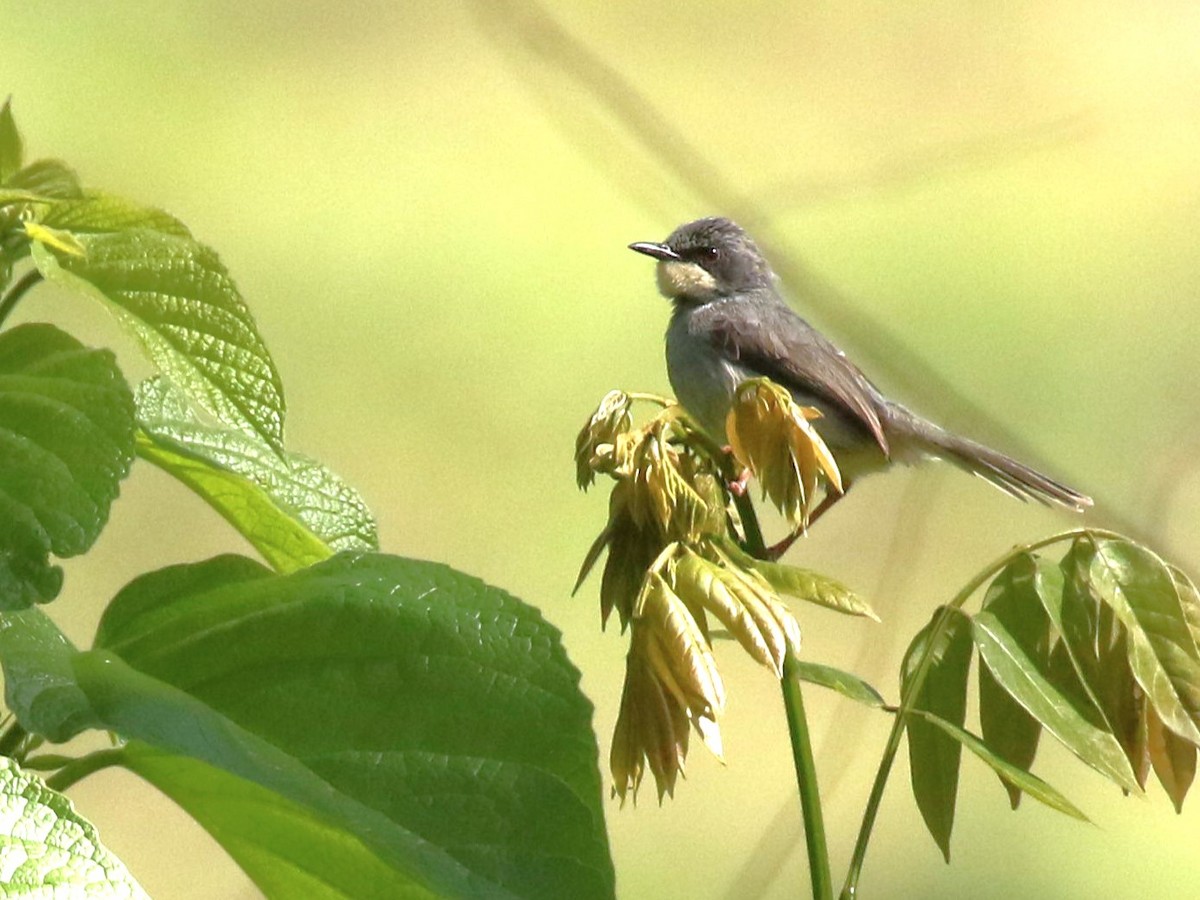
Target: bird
{"points": [[730, 323]]}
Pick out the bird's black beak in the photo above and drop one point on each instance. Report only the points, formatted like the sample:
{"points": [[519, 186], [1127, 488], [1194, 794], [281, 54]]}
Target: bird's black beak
{"points": [[661, 252]]}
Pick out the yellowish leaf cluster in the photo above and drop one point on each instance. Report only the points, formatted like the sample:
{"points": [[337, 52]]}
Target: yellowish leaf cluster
{"points": [[676, 557], [771, 436]]}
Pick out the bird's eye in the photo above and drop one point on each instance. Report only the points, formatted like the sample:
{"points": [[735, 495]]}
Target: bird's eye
{"points": [[710, 254]]}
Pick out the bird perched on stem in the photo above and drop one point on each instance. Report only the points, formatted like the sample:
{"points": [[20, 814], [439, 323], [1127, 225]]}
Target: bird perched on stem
{"points": [[730, 324]]}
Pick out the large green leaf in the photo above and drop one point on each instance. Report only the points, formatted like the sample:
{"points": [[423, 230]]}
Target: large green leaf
{"points": [[174, 295], [1016, 777], [1078, 726], [292, 509], [1008, 728], [47, 849], [1142, 593], [933, 756], [39, 677], [444, 705], [11, 148], [845, 683], [98, 213], [66, 441]]}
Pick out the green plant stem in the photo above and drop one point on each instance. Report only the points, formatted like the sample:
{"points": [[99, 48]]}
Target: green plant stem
{"points": [[82, 767], [18, 291], [850, 889], [755, 545], [806, 781]]}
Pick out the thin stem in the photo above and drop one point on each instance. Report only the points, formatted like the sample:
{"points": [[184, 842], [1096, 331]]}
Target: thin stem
{"points": [[908, 700], [82, 767], [806, 781], [755, 545], [18, 291]]}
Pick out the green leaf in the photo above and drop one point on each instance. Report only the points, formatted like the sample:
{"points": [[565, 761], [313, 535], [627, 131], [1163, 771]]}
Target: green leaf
{"points": [[39, 680], [445, 706], [11, 148], [99, 213], [1163, 656], [174, 295], [47, 178], [845, 683], [47, 849], [291, 509], [1007, 727], [933, 757], [1019, 779], [802, 584], [1080, 728], [289, 850], [66, 441]]}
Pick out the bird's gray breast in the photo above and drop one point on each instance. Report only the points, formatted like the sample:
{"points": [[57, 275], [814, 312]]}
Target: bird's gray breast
{"points": [[704, 381]]}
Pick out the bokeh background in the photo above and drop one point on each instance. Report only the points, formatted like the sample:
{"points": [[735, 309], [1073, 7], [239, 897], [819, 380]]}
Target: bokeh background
{"points": [[427, 207]]}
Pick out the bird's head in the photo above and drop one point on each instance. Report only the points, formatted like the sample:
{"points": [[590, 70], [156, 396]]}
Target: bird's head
{"points": [[707, 259]]}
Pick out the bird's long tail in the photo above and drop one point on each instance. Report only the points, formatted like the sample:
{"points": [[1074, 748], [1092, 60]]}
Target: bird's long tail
{"points": [[1012, 477]]}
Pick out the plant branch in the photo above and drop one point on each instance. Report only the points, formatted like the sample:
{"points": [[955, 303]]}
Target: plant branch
{"points": [[18, 291], [84, 766], [806, 781], [11, 740], [908, 700]]}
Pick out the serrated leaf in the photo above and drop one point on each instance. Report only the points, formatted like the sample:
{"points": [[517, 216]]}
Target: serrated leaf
{"points": [[845, 683], [1079, 728], [177, 299], [813, 587], [1007, 727], [1019, 779], [66, 441], [99, 213], [62, 241], [426, 702], [933, 757], [291, 509], [11, 149], [48, 850]]}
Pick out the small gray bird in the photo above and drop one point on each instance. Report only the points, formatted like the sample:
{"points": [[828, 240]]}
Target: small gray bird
{"points": [[729, 324]]}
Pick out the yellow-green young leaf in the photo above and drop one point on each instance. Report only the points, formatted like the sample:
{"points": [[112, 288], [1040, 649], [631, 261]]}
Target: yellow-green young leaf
{"points": [[11, 149], [804, 584], [177, 299], [1064, 713], [594, 447], [664, 615], [291, 509], [933, 756], [1018, 778], [1173, 758], [54, 238], [1007, 727], [50, 178]]}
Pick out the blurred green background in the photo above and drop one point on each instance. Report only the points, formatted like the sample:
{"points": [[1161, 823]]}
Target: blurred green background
{"points": [[429, 217]]}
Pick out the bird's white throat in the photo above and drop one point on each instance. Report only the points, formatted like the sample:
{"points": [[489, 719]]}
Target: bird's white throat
{"points": [[684, 279]]}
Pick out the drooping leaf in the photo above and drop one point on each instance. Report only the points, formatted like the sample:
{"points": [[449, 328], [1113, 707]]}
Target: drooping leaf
{"points": [[933, 756], [845, 683], [1163, 655], [62, 241], [47, 849], [177, 299], [1019, 779], [813, 587], [1008, 728], [291, 509], [1173, 758], [443, 705], [11, 148], [1079, 727], [66, 441]]}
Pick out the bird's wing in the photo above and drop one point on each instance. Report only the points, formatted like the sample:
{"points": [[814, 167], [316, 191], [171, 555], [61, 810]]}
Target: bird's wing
{"points": [[770, 338]]}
